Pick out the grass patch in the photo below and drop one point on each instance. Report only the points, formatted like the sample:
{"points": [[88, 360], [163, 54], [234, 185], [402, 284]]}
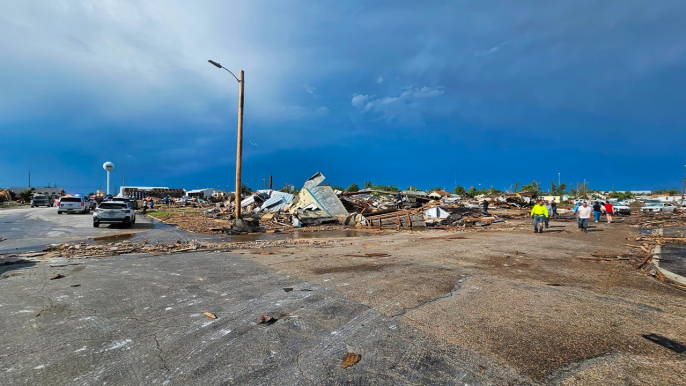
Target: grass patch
{"points": [[158, 214]]}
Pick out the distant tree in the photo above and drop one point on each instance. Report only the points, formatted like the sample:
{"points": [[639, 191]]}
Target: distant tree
{"points": [[412, 188], [460, 191], [353, 188], [245, 190], [436, 189], [516, 187], [492, 191], [532, 187], [385, 188], [367, 185], [672, 192], [26, 195], [473, 192], [561, 189], [90, 194], [336, 187], [659, 191]]}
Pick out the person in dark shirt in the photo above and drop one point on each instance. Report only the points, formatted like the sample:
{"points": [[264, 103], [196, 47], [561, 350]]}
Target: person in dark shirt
{"points": [[597, 210], [554, 205], [485, 207]]}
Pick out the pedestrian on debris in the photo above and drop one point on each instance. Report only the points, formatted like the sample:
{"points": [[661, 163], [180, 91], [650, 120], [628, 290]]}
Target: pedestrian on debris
{"points": [[152, 203], [584, 214], [597, 210], [554, 205], [485, 207], [549, 208], [166, 201], [609, 211], [539, 213]]}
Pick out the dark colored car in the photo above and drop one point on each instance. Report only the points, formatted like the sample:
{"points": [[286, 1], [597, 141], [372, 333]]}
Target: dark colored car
{"points": [[41, 200], [132, 203]]}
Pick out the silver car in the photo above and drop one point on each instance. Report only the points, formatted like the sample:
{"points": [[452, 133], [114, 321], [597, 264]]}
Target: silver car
{"points": [[113, 212], [658, 208]]}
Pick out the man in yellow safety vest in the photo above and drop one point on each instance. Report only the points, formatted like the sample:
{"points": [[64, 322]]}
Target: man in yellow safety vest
{"points": [[539, 213]]}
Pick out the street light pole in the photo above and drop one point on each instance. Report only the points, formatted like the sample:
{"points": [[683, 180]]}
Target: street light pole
{"points": [[558, 179], [239, 140]]}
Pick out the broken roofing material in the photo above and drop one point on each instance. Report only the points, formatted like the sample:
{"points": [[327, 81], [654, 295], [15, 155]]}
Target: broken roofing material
{"points": [[267, 201], [316, 203]]}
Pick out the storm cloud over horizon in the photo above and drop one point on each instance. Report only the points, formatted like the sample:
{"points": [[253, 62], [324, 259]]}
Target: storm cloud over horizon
{"points": [[481, 92]]}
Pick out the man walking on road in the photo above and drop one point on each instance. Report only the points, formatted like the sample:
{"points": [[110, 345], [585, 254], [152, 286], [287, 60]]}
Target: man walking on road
{"points": [[596, 211], [539, 214], [584, 214], [549, 207]]}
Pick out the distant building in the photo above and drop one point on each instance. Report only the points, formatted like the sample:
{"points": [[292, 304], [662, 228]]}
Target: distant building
{"points": [[52, 192], [202, 193], [139, 192]]}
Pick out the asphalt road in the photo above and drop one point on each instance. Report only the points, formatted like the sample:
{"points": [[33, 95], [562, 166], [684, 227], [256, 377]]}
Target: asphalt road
{"points": [[33, 228], [139, 320]]}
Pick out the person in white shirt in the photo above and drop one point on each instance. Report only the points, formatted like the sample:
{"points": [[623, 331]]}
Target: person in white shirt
{"points": [[584, 214]]}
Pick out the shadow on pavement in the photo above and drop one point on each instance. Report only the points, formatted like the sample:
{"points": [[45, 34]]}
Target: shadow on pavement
{"points": [[11, 264]]}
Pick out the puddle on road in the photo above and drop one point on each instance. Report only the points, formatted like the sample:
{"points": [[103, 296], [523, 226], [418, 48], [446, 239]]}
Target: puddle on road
{"points": [[112, 238]]}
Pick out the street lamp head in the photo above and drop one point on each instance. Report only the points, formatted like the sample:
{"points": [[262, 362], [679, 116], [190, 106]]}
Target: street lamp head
{"points": [[215, 63]]}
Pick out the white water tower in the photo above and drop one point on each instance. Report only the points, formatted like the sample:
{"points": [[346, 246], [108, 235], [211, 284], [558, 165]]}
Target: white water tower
{"points": [[108, 166]]}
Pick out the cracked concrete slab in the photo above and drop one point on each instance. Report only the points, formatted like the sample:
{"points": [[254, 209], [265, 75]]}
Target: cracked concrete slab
{"points": [[139, 320]]}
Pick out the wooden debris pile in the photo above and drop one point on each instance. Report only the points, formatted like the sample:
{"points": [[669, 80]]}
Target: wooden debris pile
{"points": [[87, 251]]}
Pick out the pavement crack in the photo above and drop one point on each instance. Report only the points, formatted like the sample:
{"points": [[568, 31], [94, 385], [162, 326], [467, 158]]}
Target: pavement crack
{"points": [[159, 352], [302, 373], [52, 304], [457, 287]]}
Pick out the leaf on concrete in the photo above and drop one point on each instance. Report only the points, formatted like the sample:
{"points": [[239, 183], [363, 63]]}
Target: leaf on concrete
{"points": [[210, 315], [350, 359]]}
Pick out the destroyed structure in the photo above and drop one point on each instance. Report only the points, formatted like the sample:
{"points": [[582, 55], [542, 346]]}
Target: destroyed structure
{"points": [[318, 204]]}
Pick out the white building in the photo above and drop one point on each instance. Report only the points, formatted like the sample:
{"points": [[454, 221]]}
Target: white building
{"points": [[202, 193]]}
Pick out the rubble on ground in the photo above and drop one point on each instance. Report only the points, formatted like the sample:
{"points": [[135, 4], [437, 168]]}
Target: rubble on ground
{"points": [[84, 250], [318, 205]]}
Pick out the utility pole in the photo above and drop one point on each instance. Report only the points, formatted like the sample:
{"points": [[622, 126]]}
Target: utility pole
{"points": [[558, 179], [29, 178], [270, 182], [584, 188], [239, 145], [683, 191]]}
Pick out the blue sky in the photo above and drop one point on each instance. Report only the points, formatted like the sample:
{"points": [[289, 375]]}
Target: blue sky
{"points": [[392, 92]]}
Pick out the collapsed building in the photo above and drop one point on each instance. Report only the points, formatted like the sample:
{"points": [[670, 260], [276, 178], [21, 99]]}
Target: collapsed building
{"points": [[317, 204]]}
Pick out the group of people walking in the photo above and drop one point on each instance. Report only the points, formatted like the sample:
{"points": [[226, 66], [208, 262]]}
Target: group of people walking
{"points": [[583, 213], [543, 210]]}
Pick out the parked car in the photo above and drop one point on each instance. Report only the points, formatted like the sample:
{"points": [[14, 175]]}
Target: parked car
{"points": [[621, 208], [658, 207], [73, 205], [113, 212], [41, 200]]}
